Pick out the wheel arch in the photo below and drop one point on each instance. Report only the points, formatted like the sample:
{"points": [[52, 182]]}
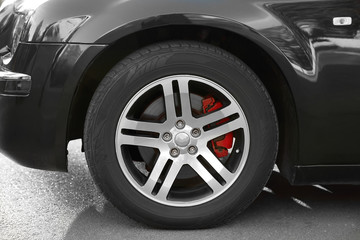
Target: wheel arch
{"points": [[256, 51]]}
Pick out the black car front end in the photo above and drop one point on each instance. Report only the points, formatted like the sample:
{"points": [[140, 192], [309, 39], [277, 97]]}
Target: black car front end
{"points": [[36, 86]]}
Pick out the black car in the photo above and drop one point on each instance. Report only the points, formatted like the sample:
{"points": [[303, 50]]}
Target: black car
{"points": [[183, 106]]}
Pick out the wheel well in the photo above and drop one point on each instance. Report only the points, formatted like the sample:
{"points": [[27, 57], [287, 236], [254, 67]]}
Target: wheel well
{"points": [[254, 56]]}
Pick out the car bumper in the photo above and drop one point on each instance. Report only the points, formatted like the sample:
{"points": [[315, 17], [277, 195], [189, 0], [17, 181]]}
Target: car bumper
{"points": [[13, 84], [34, 111]]}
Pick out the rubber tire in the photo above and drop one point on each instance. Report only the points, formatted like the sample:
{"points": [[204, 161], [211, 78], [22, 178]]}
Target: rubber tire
{"points": [[171, 58]]}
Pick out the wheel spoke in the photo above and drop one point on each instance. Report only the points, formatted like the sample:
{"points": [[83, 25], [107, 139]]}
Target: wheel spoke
{"points": [[169, 100], [181, 139], [217, 115], [206, 176], [155, 173], [141, 126], [223, 129], [185, 97], [169, 180], [217, 165], [140, 141]]}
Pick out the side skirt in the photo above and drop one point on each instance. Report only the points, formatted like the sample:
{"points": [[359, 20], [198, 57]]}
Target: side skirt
{"points": [[329, 174]]}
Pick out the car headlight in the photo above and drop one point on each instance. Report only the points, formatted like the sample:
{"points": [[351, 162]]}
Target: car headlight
{"points": [[23, 9], [59, 31], [26, 7], [19, 26]]}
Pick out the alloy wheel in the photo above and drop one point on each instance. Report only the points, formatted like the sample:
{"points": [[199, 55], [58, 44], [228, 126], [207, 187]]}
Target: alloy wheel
{"points": [[165, 141]]}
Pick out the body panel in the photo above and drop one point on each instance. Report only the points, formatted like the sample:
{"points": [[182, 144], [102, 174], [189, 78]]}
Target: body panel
{"points": [[320, 62], [33, 129], [327, 61], [300, 31]]}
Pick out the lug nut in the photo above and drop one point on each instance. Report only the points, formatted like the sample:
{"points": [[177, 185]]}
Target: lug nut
{"points": [[167, 137], [180, 124], [196, 132], [192, 150], [174, 152]]}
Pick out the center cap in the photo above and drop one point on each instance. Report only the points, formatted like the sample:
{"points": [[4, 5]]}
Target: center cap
{"points": [[182, 139]]}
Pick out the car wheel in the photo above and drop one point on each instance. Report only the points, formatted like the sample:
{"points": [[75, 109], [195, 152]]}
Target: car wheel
{"points": [[181, 135]]}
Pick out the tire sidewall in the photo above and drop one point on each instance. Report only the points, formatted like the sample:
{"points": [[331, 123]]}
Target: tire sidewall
{"points": [[141, 69]]}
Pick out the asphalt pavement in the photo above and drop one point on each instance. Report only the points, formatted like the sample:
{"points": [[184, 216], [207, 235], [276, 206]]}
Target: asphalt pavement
{"points": [[37, 204]]}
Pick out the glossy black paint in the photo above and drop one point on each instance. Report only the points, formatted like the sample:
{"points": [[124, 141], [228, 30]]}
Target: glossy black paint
{"points": [[320, 62], [327, 60], [32, 132]]}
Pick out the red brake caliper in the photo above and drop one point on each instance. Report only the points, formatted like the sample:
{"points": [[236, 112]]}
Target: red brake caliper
{"points": [[223, 143]]}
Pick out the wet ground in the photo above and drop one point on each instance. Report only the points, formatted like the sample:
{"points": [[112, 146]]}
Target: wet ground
{"points": [[38, 204]]}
